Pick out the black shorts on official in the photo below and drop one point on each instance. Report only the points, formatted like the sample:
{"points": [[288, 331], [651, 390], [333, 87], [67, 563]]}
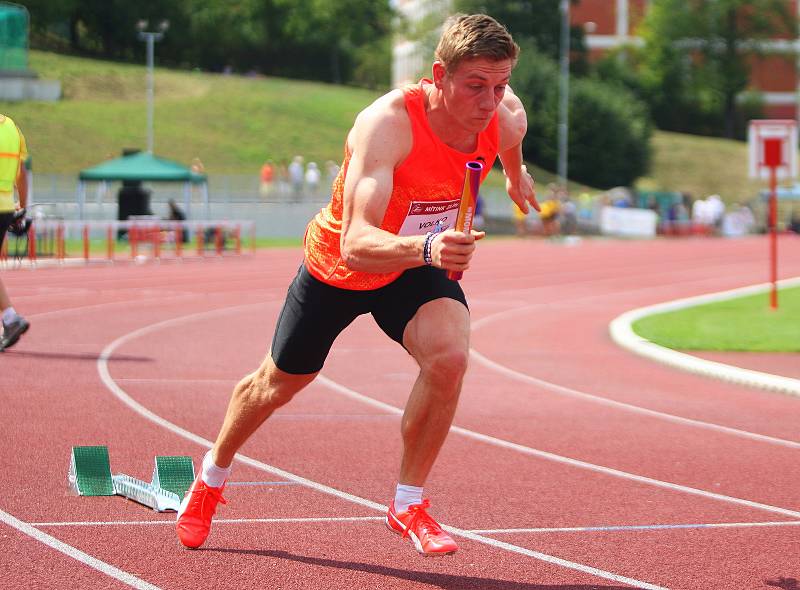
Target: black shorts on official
{"points": [[5, 221], [315, 313]]}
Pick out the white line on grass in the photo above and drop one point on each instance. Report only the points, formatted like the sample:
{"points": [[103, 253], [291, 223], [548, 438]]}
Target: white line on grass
{"points": [[77, 554], [621, 330]]}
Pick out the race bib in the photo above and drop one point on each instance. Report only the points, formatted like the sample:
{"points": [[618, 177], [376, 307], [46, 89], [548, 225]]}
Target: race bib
{"points": [[425, 216]]}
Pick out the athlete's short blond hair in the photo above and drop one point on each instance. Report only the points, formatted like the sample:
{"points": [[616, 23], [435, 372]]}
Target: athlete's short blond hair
{"points": [[474, 36]]}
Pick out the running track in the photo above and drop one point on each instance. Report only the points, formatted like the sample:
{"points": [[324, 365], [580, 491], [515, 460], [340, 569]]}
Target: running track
{"points": [[554, 478]]}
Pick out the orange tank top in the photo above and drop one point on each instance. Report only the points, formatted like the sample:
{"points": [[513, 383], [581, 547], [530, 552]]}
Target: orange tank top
{"points": [[427, 189]]}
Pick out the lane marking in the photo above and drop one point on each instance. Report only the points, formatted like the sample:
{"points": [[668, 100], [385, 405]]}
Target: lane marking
{"points": [[621, 330], [567, 460], [216, 521], [105, 376], [568, 391], [259, 483], [642, 527], [76, 554]]}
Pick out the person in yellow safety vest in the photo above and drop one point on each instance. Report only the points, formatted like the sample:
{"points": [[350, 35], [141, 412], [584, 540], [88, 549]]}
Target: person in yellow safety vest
{"points": [[13, 153]]}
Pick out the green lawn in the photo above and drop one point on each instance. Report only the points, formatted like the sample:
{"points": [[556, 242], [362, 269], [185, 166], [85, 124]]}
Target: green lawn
{"points": [[234, 123], [742, 324]]}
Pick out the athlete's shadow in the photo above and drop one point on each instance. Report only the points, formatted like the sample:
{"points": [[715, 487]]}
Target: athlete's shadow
{"points": [[784, 583], [445, 581], [76, 356]]}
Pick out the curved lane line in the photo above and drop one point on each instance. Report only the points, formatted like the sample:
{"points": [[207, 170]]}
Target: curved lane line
{"points": [[77, 554], [622, 333], [563, 390], [567, 460], [560, 389], [105, 376]]}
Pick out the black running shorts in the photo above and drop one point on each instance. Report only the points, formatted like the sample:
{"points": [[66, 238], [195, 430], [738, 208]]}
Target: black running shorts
{"points": [[315, 313]]}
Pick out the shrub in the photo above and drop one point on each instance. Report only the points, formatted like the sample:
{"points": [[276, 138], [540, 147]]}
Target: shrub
{"points": [[609, 129]]}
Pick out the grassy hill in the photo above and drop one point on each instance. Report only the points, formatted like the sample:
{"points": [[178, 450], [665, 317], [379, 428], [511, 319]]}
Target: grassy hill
{"points": [[233, 124], [701, 166]]}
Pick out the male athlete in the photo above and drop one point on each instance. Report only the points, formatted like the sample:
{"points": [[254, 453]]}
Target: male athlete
{"points": [[370, 251]]}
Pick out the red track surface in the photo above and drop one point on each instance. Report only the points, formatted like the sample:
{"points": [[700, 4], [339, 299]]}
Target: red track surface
{"points": [[178, 336]]}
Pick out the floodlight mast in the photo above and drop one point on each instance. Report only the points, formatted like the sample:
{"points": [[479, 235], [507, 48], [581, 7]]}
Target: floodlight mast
{"points": [[563, 106], [150, 38]]}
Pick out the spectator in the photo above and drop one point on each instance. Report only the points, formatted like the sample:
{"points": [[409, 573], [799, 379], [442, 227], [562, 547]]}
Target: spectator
{"points": [[296, 177], [266, 177], [332, 169], [312, 178], [177, 214], [794, 221]]}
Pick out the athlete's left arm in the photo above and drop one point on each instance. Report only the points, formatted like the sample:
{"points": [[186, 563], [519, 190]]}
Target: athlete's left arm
{"points": [[513, 125]]}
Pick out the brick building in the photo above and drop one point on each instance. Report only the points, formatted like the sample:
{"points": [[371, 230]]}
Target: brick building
{"points": [[612, 23]]}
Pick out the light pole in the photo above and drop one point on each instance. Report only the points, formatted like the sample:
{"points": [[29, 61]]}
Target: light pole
{"points": [[150, 37], [563, 95]]}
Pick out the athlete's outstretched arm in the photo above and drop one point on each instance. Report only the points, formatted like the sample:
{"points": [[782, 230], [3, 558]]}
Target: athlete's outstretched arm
{"points": [[380, 139], [513, 126]]}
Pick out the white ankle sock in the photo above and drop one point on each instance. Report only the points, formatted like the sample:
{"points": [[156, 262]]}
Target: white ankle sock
{"points": [[406, 496], [9, 315], [212, 475]]}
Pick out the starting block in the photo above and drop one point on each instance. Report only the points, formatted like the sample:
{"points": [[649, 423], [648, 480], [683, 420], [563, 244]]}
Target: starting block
{"points": [[90, 475]]}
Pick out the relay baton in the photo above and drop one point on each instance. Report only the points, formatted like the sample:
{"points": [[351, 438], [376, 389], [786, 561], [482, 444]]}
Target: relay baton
{"points": [[466, 209]]}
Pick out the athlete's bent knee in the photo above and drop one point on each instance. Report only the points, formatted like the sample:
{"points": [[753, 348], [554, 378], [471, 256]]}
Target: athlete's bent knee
{"points": [[447, 366]]}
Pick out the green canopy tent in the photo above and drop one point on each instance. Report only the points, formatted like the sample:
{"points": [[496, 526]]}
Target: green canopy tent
{"points": [[144, 167]]}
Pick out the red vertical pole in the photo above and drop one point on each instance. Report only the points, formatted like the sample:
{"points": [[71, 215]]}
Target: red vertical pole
{"points": [[133, 239], [32, 243], [110, 242], [178, 241], [86, 243], [200, 235], [60, 247], [237, 236], [218, 240], [157, 242], [773, 236]]}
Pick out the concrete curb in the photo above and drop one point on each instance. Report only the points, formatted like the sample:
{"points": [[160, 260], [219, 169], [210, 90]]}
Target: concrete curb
{"points": [[622, 333]]}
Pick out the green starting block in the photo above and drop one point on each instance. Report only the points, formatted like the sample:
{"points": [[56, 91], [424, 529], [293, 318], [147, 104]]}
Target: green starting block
{"points": [[90, 475], [90, 472]]}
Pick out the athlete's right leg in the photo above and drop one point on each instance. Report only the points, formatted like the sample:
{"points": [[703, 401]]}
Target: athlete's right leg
{"points": [[254, 399], [312, 317]]}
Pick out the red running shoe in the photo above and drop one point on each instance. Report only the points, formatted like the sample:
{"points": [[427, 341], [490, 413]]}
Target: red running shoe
{"points": [[195, 513], [415, 523]]}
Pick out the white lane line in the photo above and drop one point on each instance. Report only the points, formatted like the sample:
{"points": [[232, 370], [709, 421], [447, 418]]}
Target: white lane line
{"points": [[568, 391], [216, 521], [642, 527], [567, 460], [77, 554], [621, 330], [126, 303], [105, 376]]}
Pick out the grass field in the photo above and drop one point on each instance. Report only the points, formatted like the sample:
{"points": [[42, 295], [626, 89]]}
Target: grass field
{"points": [[234, 123], [701, 166], [742, 324]]}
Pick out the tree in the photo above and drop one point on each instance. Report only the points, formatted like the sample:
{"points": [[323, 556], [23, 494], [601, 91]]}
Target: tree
{"points": [[538, 20], [697, 54]]}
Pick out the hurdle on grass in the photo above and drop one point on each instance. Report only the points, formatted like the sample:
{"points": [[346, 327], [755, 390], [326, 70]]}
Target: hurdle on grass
{"points": [[154, 239]]}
